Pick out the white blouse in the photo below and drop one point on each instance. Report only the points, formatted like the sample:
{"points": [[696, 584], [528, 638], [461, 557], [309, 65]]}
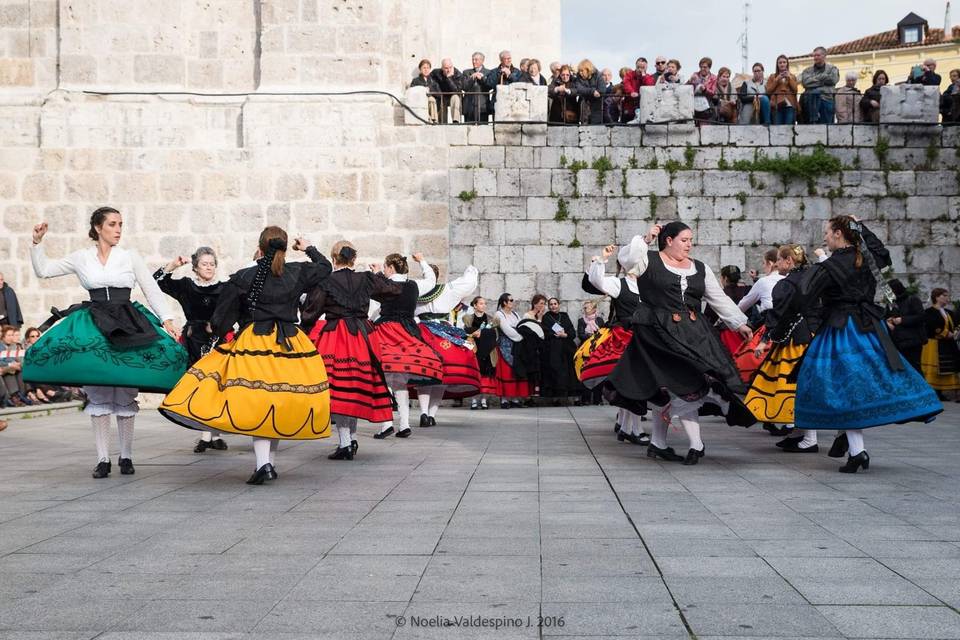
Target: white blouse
{"points": [[508, 324], [453, 292], [610, 285], [429, 281], [123, 270], [761, 292]]}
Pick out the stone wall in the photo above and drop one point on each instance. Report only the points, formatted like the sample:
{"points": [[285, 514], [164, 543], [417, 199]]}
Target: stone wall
{"points": [[530, 219]]}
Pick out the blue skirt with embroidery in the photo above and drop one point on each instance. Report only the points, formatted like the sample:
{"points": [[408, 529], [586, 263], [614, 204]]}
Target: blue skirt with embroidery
{"points": [[845, 382]]}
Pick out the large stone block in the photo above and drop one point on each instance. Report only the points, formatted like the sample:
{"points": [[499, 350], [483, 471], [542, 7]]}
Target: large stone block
{"points": [[909, 103], [521, 102], [666, 103], [416, 99]]}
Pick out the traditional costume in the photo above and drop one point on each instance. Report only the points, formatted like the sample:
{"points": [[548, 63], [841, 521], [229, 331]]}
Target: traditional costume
{"points": [[269, 382], [852, 377], [511, 385], [461, 373], [406, 358], [485, 347], [940, 358], [350, 348], [558, 379], [110, 345]]}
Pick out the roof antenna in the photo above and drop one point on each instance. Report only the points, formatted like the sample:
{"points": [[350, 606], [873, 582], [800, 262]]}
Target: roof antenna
{"points": [[744, 38], [946, 23]]}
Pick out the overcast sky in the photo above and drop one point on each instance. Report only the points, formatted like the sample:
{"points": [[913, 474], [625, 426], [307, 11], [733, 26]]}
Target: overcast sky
{"points": [[613, 33]]}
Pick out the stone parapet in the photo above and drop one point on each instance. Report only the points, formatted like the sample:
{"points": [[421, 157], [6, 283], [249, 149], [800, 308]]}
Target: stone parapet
{"points": [[909, 104]]}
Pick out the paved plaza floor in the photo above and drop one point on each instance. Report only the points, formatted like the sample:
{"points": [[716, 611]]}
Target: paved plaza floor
{"points": [[489, 522]]}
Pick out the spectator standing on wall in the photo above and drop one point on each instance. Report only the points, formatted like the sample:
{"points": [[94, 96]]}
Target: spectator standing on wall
{"points": [[870, 104], [563, 98], [819, 84], [532, 74], [848, 100], [782, 90], [704, 88], [659, 68], [950, 100], [754, 101], [611, 102], [425, 79], [671, 74], [591, 90], [506, 73], [631, 91], [925, 74], [476, 102], [554, 71], [9, 305], [725, 99], [450, 82], [524, 63]]}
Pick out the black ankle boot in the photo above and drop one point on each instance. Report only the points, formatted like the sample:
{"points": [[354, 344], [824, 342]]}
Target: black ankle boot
{"points": [[855, 462], [693, 456], [263, 474], [839, 447], [667, 454], [342, 453]]}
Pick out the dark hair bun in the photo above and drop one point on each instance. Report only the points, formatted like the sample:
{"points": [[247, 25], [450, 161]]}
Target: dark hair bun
{"points": [[347, 254], [277, 244]]}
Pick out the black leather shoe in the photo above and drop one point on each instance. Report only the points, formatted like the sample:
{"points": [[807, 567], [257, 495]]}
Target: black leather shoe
{"points": [[218, 444], [794, 447], [616, 427], [667, 454], [855, 462], [263, 474], [342, 453], [693, 456], [643, 439], [126, 466], [354, 445], [433, 421], [629, 437], [774, 430], [794, 439], [424, 420], [839, 447], [102, 470], [404, 433], [516, 404], [383, 434], [504, 404], [202, 445]]}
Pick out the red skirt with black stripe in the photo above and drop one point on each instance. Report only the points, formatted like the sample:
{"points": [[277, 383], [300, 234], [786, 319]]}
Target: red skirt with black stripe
{"points": [[357, 388], [508, 384], [605, 357], [461, 372], [404, 355]]}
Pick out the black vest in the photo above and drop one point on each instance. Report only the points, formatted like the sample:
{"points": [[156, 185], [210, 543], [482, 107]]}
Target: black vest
{"points": [[660, 288], [625, 304], [401, 307]]}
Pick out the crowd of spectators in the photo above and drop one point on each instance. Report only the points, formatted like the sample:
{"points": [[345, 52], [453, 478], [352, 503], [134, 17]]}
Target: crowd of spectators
{"points": [[584, 94]]}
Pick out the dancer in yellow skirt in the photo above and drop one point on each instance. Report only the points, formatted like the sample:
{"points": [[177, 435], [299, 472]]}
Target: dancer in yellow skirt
{"points": [[773, 388], [269, 382], [940, 358]]}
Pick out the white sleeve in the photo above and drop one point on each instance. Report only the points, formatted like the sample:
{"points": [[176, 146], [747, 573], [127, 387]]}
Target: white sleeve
{"points": [[429, 280], [721, 302], [465, 284], [634, 254], [374, 312], [155, 298], [752, 297], [508, 330], [46, 268], [598, 278]]}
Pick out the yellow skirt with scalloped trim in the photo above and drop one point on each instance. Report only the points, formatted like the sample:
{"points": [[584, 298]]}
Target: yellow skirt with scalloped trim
{"points": [[252, 386], [773, 390]]}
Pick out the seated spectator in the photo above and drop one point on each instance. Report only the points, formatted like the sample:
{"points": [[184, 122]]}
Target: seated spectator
{"points": [[9, 305], [754, 102], [631, 91], [848, 100], [925, 74], [563, 95], [42, 393], [532, 74], [476, 100], [426, 80], [450, 82], [11, 367], [704, 87], [950, 100], [611, 102], [671, 75], [506, 73], [782, 90], [870, 104], [590, 89], [725, 99], [819, 82]]}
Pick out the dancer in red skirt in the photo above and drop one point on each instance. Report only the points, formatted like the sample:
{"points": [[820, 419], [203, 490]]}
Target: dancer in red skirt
{"points": [[406, 357], [348, 345], [461, 373], [625, 298], [512, 386]]}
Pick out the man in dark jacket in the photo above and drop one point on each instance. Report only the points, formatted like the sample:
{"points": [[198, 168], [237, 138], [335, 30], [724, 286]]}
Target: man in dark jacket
{"points": [[450, 81], [506, 73], [906, 324], [9, 305], [476, 102], [925, 74]]}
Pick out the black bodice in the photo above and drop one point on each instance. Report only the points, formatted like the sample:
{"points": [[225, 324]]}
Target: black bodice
{"points": [[402, 306], [625, 304], [660, 288]]}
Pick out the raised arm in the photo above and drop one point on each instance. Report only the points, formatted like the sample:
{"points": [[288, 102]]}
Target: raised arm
{"points": [[319, 268], [429, 279], [635, 255], [44, 267], [465, 284]]}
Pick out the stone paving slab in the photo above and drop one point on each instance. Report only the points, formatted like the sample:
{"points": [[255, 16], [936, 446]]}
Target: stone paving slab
{"points": [[490, 515]]}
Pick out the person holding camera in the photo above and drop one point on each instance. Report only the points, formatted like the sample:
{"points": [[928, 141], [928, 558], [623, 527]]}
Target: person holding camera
{"points": [[925, 74]]}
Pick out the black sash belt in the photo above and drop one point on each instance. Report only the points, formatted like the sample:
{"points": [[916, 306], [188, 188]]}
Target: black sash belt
{"points": [[114, 316]]}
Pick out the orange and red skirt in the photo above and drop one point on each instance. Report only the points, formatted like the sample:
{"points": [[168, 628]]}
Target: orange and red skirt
{"points": [[405, 356], [605, 357]]}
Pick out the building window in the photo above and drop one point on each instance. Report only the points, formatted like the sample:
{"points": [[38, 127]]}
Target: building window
{"points": [[911, 35]]}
